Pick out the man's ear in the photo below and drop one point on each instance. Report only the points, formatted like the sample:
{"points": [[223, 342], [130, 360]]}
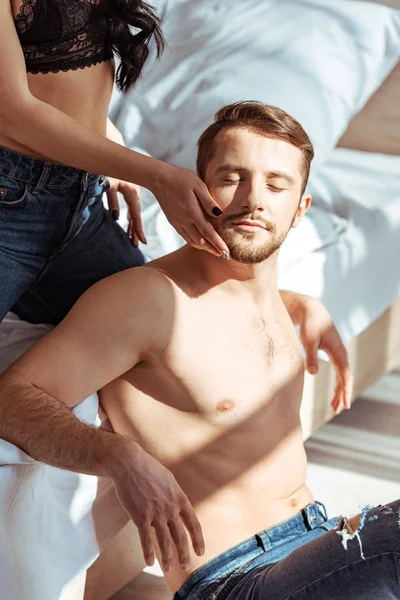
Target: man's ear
{"points": [[302, 209]]}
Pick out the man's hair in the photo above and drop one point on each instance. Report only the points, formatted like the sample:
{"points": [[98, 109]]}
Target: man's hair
{"points": [[259, 118]]}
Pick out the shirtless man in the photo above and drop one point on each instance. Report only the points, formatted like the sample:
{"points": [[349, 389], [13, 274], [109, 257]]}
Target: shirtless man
{"points": [[212, 387]]}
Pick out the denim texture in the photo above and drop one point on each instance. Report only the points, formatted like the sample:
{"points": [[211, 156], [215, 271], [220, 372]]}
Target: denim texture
{"points": [[308, 557], [56, 237]]}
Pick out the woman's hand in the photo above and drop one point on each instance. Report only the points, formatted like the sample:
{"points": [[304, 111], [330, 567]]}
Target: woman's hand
{"points": [[184, 199], [131, 194]]}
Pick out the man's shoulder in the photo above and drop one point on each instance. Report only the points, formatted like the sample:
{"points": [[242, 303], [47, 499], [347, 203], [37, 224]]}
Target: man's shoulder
{"points": [[137, 285]]}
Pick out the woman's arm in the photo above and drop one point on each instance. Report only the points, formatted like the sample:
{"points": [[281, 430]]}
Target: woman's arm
{"points": [[53, 134]]}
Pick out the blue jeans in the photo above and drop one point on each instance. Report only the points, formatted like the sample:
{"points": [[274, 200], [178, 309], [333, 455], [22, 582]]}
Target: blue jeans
{"points": [[56, 237], [308, 557]]}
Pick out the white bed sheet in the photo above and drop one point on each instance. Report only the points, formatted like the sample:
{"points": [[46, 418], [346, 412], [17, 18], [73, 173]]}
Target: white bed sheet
{"points": [[358, 277], [320, 60], [53, 523]]}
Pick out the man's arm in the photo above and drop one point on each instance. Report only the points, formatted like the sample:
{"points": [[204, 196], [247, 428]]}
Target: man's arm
{"points": [[294, 304], [104, 335], [318, 332], [112, 327]]}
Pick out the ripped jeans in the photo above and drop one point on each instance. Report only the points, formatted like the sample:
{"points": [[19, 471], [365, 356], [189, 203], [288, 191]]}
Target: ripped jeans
{"points": [[308, 557]]}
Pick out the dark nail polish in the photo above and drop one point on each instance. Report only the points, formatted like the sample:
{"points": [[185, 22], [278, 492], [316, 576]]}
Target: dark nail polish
{"points": [[217, 211], [115, 215]]}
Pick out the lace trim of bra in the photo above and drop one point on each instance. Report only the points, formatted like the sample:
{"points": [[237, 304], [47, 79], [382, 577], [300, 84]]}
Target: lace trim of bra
{"points": [[70, 63], [25, 16]]}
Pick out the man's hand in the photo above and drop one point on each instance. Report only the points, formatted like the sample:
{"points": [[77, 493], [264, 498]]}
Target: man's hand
{"points": [[317, 332], [153, 499]]}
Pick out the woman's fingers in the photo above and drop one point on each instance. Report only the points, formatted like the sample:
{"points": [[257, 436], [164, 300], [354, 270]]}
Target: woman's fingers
{"points": [[112, 199], [208, 232], [131, 195], [208, 203], [185, 199], [132, 233], [199, 241]]}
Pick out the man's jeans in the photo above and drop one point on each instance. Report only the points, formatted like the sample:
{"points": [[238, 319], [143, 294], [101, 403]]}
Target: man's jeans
{"points": [[56, 238], [308, 557]]}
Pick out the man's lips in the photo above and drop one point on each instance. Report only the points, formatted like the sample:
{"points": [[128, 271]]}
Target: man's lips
{"points": [[249, 224]]}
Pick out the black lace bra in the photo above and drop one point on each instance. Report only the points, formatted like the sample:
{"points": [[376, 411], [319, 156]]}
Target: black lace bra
{"points": [[59, 35]]}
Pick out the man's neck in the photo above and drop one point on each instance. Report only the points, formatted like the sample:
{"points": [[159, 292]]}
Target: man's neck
{"points": [[256, 283]]}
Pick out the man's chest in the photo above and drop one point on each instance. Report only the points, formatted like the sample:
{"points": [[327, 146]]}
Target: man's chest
{"points": [[224, 368]]}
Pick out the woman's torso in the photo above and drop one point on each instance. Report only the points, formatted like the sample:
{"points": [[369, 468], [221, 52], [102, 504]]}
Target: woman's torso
{"points": [[83, 94]]}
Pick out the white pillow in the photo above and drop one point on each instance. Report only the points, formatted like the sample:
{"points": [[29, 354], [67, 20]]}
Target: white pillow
{"points": [[318, 230], [320, 60]]}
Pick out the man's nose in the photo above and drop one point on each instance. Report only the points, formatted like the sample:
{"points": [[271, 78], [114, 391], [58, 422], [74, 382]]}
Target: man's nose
{"points": [[253, 198]]}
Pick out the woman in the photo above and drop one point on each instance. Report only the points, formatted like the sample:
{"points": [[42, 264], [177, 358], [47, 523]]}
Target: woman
{"points": [[56, 77]]}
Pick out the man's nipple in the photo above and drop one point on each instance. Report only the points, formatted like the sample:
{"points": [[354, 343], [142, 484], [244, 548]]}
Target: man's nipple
{"points": [[225, 406]]}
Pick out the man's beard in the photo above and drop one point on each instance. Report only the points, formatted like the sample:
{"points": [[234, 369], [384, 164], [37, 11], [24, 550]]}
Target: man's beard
{"points": [[243, 246]]}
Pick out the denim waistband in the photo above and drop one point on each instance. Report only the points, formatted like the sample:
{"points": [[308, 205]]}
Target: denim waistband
{"points": [[310, 517], [41, 173]]}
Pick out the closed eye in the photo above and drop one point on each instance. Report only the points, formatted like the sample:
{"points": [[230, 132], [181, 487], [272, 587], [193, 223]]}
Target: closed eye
{"points": [[275, 190], [232, 181]]}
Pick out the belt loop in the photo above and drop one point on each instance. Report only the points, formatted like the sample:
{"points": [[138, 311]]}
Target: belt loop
{"points": [[43, 179], [308, 517], [84, 181], [322, 509], [312, 515], [260, 542]]}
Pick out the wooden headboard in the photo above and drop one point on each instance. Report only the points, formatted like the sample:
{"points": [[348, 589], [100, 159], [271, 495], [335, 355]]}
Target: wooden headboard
{"points": [[377, 127]]}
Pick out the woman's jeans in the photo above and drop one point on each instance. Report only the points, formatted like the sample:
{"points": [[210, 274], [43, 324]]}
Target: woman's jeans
{"points": [[56, 237], [308, 557]]}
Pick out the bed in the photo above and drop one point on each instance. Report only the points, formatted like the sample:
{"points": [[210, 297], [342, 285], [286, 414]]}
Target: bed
{"points": [[346, 252]]}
